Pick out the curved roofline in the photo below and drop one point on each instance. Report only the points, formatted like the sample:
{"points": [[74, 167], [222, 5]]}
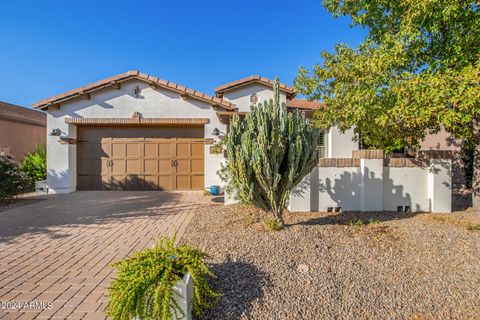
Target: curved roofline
{"points": [[115, 81], [290, 91]]}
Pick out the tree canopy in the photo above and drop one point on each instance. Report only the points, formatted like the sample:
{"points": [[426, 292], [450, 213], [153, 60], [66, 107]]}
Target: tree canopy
{"points": [[417, 70]]}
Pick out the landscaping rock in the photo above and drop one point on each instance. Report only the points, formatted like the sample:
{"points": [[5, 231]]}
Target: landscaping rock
{"points": [[320, 266]]}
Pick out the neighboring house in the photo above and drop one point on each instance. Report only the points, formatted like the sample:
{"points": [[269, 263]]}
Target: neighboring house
{"points": [[21, 129], [134, 131]]}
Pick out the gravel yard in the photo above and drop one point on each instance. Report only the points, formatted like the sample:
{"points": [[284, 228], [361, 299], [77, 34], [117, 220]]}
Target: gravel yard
{"points": [[335, 266]]}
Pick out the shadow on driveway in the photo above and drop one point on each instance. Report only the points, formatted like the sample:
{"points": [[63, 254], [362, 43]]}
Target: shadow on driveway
{"points": [[89, 208]]}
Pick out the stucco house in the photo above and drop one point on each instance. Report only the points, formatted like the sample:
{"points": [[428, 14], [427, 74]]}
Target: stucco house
{"points": [[21, 129], [134, 131]]}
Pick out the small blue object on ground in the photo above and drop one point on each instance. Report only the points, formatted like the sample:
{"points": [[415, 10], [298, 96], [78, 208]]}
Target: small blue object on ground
{"points": [[215, 190]]}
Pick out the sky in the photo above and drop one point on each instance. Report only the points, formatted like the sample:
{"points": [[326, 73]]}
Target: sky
{"points": [[48, 47]]}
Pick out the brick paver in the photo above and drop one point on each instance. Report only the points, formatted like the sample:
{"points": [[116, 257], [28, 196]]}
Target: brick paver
{"points": [[58, 250]]}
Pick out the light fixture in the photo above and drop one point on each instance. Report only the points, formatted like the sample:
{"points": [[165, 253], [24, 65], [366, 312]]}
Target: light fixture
{"points": [[215, 132], [56, 132]]}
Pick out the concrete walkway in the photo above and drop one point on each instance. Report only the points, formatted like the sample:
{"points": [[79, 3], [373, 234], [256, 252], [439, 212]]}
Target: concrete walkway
{"points": [[55, 252]]}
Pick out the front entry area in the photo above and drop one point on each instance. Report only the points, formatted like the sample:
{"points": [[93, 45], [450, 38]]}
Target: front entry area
{"points": [[140, 158]]}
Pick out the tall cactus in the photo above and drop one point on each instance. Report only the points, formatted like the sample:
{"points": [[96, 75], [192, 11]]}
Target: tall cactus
{"points": [[268, 154]]}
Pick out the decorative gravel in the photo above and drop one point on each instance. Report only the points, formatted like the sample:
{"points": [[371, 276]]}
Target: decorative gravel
{"points": [[331, 266]]}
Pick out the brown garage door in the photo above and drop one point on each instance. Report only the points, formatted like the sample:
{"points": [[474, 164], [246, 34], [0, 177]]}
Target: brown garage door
{"points": [[134, 158]]}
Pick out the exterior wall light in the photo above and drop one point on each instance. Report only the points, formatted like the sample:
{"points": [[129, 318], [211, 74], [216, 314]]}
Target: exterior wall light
{"points": [[56, 132], [215, 132]]}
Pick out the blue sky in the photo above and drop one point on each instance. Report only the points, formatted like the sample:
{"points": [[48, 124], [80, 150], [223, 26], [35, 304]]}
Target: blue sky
{"points": [[48, 47]]}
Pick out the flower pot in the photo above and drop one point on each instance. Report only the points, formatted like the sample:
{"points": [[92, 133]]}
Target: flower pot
{"points": [[215, 190], [182, 293]]}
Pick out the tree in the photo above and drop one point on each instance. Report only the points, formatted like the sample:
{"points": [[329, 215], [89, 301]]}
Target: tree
{"points": [[268, 154], [418, 70]]}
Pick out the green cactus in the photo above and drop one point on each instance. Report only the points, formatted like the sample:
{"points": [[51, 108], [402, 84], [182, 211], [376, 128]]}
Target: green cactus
{"points": [[268, 154]]}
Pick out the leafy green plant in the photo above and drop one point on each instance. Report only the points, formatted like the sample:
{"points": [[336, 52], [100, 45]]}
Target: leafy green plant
{"points": [[13, 180], [473, 227], [35, 164], [143, 285], [373, 221], [273, 224], [356, 223], [439, 218], [268, 154]]}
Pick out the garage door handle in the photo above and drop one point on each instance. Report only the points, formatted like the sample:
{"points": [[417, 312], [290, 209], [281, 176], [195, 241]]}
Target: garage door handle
{"points": [[174, 163]]}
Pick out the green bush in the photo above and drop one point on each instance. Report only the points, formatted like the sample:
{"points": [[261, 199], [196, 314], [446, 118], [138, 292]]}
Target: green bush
{"points": [[143, 285], [13, 180], [35, 164]]}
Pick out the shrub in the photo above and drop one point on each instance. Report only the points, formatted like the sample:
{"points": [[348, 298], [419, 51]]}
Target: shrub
{"points": [[473, 227], [35, 164], [143, 285], [273, 224], [13, 180]]}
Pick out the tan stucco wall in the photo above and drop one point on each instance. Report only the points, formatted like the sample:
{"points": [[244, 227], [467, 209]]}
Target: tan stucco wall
{"points": [[20, 138], [444, 141]]}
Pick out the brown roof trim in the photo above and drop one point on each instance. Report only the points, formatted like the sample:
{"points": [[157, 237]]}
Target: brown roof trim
{"points": [[136, 121], [290, 91], [231, 113], [116, 80], [305, 104], [11, 112]]}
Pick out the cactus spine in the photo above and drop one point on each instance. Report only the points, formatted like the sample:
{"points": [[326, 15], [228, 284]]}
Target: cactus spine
{"points": [[269, 153]]}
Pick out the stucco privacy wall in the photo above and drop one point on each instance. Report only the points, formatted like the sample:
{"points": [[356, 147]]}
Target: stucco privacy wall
{"points": [[113, 103], [373, 187], [241, 96], [340, 145]]}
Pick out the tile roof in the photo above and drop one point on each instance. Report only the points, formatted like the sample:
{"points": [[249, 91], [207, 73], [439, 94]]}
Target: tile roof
{"points": [[290, 91], [16, 113], [305, 104], [214, 101]]}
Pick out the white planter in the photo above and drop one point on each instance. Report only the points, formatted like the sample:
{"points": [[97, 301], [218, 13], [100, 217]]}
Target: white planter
{"points": [[183, 295]]}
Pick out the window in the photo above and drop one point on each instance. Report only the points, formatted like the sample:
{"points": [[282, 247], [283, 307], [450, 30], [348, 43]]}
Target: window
{"points": [[321, 145]]}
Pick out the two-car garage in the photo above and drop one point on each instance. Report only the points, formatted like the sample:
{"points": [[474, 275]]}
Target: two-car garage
{"points": [[140, 158]]}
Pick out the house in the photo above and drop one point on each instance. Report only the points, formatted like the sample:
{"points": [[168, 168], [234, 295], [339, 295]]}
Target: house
{"points": [[21, 129], [134, 131]]}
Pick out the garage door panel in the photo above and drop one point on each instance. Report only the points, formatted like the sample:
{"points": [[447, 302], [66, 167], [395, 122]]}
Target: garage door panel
{"points": [[133, 149], [197, 182], [183, 182], [134, 182], [118, 166], [183, 165], [183, 149], [150, 150], [118, 182], [198, 150], [165, 182], [197, 166], [165, 166], [84, 167], [119, 150], [133, 166], [165, 150], [151, 182], [150, 165]]}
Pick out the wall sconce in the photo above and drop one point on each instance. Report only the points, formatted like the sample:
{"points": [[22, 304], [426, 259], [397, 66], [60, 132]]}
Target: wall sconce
{"points": [[215, 132], [56, 132]]}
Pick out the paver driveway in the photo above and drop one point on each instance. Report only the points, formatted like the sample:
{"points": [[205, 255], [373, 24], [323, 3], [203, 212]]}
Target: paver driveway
{"points": [[58, 250]]}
